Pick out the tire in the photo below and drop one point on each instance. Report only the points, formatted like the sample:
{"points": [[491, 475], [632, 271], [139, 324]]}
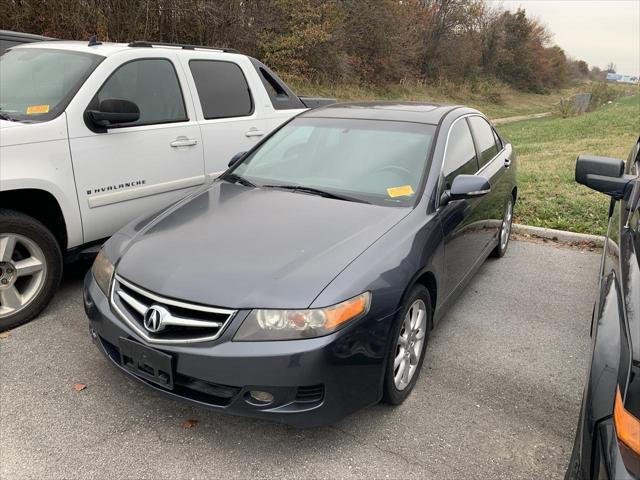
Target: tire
{"points": [[27, 287], [505, 230], [394, 393]]}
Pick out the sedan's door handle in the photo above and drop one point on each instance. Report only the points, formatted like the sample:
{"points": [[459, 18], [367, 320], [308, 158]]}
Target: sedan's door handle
{"points": [[183, 142], [507, 162], [254, 132]]}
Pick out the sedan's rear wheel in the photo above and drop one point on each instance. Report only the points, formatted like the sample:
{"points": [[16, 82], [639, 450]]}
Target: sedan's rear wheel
{"points": [[30, 268], [505, 230]]}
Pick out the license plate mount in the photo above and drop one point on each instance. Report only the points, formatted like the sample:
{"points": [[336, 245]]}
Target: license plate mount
{"points": [[147, 363]]}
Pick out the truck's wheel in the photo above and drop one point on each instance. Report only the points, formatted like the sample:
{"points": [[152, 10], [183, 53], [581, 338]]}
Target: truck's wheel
{"points": [[30, 268]]}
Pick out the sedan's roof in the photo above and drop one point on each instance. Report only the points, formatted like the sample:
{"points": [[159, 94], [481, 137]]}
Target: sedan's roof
{"points": [[430, 113]]}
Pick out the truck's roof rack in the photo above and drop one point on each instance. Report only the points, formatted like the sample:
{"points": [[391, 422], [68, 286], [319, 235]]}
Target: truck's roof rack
{"points": [[143, 43]]}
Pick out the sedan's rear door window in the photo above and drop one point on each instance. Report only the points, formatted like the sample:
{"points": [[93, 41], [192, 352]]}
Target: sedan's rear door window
{"points": [[485, 139]]}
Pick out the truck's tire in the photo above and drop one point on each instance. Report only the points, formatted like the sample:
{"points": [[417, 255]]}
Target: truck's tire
{"points": [[30, 268]]}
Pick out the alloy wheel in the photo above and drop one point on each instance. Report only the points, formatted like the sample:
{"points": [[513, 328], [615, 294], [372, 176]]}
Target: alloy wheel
{"points": [[23, 271], [410, 344], [506, 225]]}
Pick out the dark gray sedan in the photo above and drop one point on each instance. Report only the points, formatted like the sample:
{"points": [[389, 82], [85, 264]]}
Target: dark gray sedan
{"points": [[302, 284]]}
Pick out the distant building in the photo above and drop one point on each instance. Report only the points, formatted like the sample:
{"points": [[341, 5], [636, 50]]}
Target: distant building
{"points": [[618, 78]]}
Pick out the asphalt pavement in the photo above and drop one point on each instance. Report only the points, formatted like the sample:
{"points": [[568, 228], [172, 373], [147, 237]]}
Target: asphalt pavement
{"points": [[498, 396]]}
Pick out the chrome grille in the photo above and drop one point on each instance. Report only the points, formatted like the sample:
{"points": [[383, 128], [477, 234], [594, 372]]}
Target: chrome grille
{"points": [[176, 321]]}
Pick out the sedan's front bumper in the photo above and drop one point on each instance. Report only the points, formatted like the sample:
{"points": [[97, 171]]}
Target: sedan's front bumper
{"points": [[313, 382]]}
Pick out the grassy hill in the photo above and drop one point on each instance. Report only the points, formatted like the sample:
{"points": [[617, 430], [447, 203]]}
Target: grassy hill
{"points": [[547, 149]]}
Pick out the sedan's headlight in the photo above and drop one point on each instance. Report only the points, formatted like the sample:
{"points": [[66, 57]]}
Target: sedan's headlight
{"points": [[298, 324], [102, 270]]}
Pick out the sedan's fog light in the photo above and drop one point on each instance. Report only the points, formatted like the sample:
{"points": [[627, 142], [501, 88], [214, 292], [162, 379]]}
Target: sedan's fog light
{"points": [[260, 397]]}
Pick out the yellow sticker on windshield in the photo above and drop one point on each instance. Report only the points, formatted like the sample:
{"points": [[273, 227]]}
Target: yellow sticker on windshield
{"points": [[402, 191], [36, 109]]}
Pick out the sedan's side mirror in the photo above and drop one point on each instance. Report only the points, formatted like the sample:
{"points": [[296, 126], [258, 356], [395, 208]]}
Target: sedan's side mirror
{"points": [[235, 159], [465, 187], [114, 112], [604, 175]]}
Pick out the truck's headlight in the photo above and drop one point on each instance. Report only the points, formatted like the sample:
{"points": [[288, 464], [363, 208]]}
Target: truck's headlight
{"points": [[263, 324], [102, 270]]}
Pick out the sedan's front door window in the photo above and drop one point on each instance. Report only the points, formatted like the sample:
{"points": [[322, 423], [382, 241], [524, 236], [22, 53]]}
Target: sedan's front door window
{"points": [[461, 154]]}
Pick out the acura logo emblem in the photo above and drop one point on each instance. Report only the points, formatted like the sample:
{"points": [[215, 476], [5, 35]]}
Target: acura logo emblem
{"points": [[154, 318]]}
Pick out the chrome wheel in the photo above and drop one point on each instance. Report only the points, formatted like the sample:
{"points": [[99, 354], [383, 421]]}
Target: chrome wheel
{"points": [[506, 226], [22, 272], [410, 344]]}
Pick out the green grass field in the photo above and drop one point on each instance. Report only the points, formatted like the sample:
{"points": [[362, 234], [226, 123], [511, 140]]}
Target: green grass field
{"points": [[547, 149]]}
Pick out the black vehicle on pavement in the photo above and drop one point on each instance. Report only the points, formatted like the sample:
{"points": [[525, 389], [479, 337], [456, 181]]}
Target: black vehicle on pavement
{"points": [[10, 39], [302, 284], [607, 444]]}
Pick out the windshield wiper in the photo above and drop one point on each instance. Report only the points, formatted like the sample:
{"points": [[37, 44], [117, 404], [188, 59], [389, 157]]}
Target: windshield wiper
{"points": [[6, 116], [235, 178], [316, 191]]}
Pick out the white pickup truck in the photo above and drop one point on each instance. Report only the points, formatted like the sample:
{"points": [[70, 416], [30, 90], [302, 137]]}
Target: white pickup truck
{"points": [[94, 135]]}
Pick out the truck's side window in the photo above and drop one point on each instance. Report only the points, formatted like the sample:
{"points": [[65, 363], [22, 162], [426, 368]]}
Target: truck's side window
{"points": [[152, 85], [485, 139], [461, 153], [222, 88]]}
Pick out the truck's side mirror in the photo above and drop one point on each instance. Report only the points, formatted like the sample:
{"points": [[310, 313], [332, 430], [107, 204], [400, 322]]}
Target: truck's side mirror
{"points": [[235, 159], [465, 187], [604, 175], [114, 112]]}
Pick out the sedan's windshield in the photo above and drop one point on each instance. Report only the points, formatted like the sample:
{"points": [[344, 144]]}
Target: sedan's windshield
{"points": [[372, 161], [37, 84]]}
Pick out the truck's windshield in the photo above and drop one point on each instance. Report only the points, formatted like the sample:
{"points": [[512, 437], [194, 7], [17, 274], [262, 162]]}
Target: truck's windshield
{"points": [[36, 84]]}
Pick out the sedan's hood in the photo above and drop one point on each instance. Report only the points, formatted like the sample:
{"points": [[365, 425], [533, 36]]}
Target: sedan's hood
{"points": [[239, 247]]}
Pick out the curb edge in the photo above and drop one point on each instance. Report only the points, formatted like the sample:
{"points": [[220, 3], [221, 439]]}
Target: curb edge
{"points": [[560, 236]]}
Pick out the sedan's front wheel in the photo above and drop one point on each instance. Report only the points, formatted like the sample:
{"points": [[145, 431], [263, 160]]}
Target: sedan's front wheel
{"points": [[407, 349], [30, 268]]}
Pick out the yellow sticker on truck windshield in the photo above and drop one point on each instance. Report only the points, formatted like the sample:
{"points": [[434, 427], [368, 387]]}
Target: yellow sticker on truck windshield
{"points": [[36, 109], [403, 191]]}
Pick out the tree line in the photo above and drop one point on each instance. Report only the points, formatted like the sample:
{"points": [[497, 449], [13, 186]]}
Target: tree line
{"points": [[375, 42]]}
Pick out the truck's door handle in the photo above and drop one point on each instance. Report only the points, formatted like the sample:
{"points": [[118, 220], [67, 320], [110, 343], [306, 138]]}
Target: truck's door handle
{"points": [[254, 132], [183, 142], [507, 162]]}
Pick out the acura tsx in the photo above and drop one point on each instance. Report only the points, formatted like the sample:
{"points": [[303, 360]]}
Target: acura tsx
{"points": [[302, 284]]}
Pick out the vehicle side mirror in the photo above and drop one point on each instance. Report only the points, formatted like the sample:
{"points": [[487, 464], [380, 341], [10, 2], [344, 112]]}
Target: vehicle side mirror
{"points": [[465, 187], [114, 112], [235, 159], [604, 175]]}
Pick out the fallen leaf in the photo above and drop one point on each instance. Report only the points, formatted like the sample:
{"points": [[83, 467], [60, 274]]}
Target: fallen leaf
{"points": [[78, 387], [189, 423], [4, 335]]}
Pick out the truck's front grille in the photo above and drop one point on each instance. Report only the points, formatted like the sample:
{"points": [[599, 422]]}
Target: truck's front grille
{"points": [[162, 320]]}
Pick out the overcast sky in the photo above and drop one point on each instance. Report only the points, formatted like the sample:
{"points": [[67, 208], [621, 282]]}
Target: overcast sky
{"points": [[596, 31]]}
